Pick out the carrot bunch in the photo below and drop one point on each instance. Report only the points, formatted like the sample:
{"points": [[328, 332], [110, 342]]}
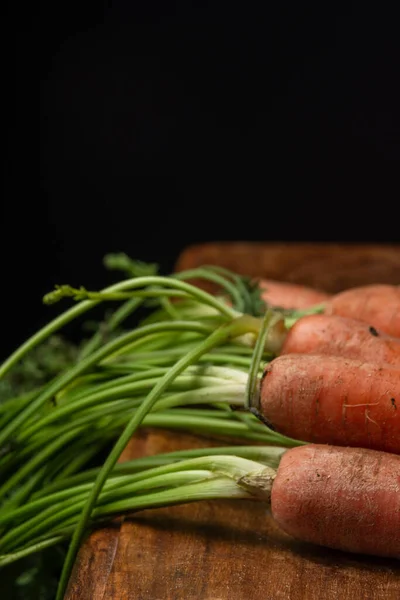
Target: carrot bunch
{"points": [[336, 379], [331, 390], [336, 383]]}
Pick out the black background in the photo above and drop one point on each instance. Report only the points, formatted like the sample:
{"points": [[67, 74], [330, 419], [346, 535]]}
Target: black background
{"points": [[146, 126]]}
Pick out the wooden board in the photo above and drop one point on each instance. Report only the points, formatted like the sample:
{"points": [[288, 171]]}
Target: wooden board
{"points": [[231, 550]]}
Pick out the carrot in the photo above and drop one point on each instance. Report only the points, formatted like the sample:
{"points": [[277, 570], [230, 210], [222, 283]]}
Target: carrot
{"points": [[341, 336], [333, 400], [343, 498], [378, 305], [290, 295]]}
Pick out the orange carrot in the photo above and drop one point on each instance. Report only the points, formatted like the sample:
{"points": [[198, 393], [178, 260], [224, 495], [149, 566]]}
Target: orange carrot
{"points": [[378, 305], [290, 295], [333, 400], [341, 336], [343, 498]]}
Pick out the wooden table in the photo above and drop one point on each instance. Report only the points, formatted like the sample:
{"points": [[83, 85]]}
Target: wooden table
{"points": [[232, 550]]}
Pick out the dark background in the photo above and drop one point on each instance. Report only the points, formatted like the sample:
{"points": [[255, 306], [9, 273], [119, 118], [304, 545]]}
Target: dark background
{"points": [[146, 126]]}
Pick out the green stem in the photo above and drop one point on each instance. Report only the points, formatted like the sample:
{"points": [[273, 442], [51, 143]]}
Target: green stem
{"points": [[37, 460], [7, 559], [118, 316], [294, 315], [77, 391], [231, 393], [169, 308], [67, 291], [215, 427], [169, 356], [210, 275], [24, 491], [253, 382], [86, 305], [239, 282], [13, 405]]}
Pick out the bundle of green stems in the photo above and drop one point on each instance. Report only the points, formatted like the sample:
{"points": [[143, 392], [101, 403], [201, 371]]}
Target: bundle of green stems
{"points": [[189, 364]]}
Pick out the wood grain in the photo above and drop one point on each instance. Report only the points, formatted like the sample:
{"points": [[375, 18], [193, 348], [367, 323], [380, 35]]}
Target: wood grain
{"points": [[231, 550]]}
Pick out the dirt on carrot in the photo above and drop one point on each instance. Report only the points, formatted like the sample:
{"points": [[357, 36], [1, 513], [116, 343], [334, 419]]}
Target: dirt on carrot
{"points": [[333, 400], [343, 498]]}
